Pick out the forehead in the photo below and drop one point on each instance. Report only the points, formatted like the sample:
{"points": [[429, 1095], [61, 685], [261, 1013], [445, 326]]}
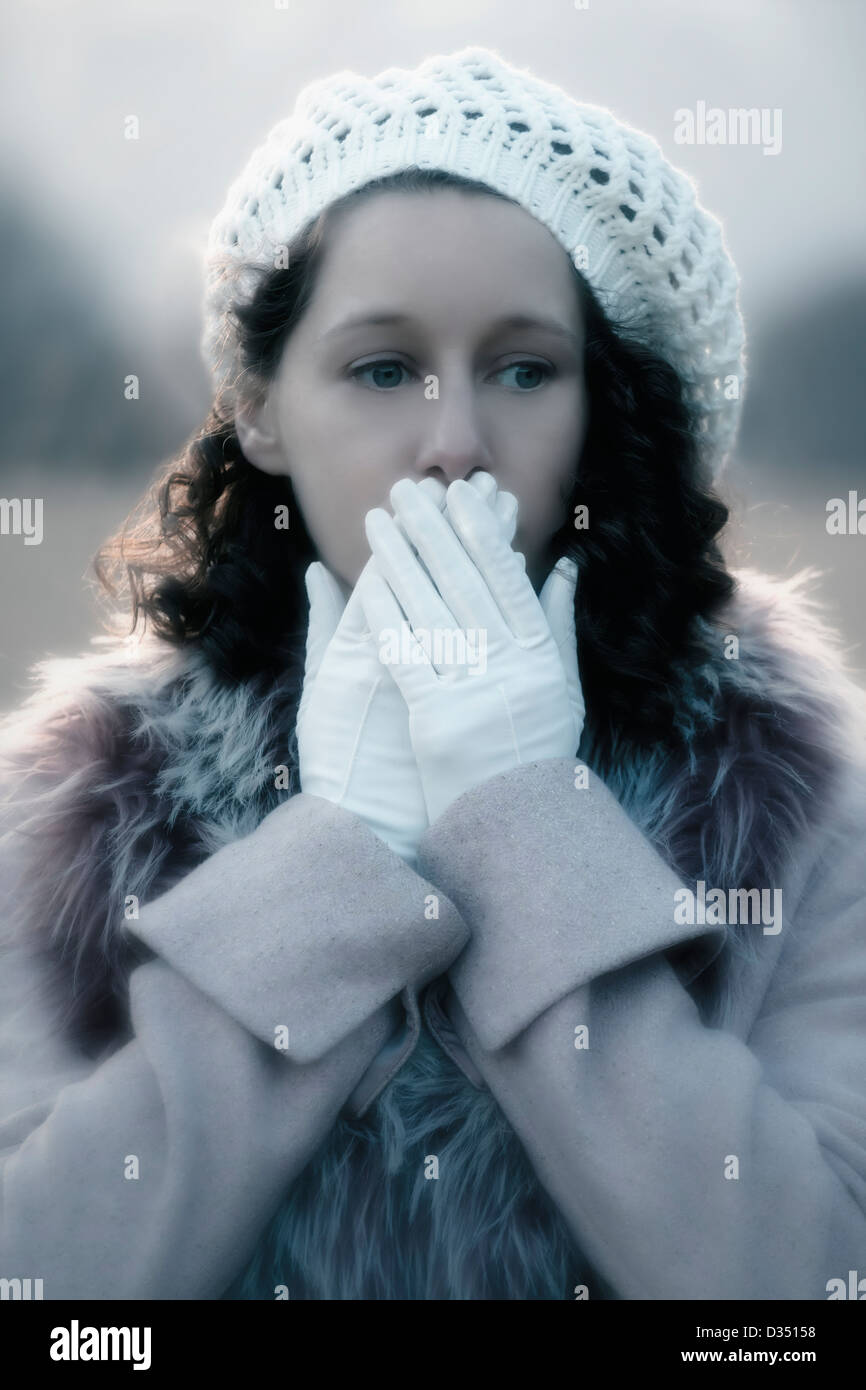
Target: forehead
{"points": [[442, 250]]}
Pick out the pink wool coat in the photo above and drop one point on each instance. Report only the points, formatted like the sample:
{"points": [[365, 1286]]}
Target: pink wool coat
{"points": [[691, 1094]]}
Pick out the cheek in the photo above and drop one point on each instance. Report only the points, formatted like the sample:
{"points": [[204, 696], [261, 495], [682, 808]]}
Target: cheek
{"points": [[563, 447], [545, 485], [327, 461], [317, 430], [347, 436], [553, 430], [334, 496]]}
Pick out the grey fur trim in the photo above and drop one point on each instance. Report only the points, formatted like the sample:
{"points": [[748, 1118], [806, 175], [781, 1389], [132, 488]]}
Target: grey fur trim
{"points": [[130, 764]]}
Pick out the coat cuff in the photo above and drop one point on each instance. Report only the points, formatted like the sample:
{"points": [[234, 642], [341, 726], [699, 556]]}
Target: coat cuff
{"points": [[310, 925], [557, 886]]}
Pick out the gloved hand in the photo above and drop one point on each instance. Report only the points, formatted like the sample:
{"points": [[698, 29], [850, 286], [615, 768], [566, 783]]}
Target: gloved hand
{"points": [[467, 725], [353, 725]]}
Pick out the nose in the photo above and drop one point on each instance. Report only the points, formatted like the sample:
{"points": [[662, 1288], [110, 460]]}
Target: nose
{"points": [[451, 444]]}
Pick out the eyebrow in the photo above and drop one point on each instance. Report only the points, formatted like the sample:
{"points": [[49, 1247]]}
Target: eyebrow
{"points": [[387, 316]]}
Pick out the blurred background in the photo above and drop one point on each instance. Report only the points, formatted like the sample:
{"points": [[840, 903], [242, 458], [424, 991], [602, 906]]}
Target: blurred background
{"points": [[102, 239]]}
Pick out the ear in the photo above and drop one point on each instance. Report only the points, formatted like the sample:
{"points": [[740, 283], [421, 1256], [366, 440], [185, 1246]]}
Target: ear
{"points": [[258, 436]]}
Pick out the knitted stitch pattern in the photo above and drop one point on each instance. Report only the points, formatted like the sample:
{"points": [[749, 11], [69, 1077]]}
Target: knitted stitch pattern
{"points": [[630, 221]]}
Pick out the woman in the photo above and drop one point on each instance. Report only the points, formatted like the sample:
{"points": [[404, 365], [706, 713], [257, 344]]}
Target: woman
{"points": [[527, 968]]}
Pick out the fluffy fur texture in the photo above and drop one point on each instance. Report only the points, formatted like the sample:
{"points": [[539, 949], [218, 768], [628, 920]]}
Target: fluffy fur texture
{"points": [[129, 765]]}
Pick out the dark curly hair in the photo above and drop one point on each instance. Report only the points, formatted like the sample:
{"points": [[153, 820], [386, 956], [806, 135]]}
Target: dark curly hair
{"points": [[202, 559]]}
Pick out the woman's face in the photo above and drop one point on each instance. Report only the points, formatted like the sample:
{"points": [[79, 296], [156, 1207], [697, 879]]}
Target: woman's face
{"points": [[448, 383]]}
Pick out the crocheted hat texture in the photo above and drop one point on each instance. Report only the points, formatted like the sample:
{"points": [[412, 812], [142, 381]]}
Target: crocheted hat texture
{"points": [[629, 220]]}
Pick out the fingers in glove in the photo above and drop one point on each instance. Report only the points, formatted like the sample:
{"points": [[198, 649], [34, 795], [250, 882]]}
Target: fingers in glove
{"points": [[384, 615], [485, 486], [422, 604], [557, 595], [504, 572], [503, 504], [353, 625], [454, 575], [331, 608], [434, 490], [557, 601], [506, 514], [326, 609]]}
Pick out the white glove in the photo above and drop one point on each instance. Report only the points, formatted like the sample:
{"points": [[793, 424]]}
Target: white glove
{"points": [[467, 724], [354, 747]]}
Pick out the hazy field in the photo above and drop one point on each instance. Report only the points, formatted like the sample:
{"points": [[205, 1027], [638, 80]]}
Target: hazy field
{"points": [[48, 607]]}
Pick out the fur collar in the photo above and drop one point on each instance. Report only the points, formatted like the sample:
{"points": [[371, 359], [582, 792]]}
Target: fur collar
{"points": [[128, 765]]}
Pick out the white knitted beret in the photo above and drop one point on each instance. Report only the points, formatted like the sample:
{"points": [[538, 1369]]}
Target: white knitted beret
{"points": [[629, 220]]}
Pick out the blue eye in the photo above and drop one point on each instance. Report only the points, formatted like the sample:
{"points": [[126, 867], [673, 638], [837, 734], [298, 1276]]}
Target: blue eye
{"points": [[389, 368], [547, 372], [386, 366]]}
